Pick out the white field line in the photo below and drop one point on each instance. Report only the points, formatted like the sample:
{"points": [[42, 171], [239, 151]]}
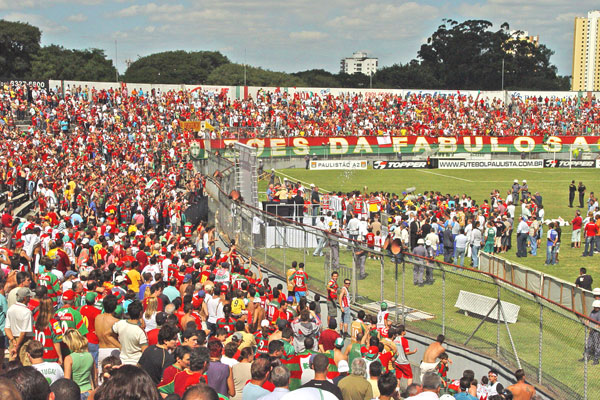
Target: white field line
{"points": [[446, 176]]}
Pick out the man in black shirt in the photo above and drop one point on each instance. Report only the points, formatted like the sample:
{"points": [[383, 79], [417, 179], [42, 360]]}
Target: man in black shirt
{"points": [[584, 280], [320, 364], [581, 190], [572, 190], [156, 358]]}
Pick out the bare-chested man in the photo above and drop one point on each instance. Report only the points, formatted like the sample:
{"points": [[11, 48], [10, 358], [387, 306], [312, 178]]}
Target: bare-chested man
{"points": [[521, 390], [107, 339], [431, 355]]}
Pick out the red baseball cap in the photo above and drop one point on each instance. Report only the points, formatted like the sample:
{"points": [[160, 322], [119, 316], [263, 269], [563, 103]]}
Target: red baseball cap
{"points": [[373, 350], [68, 295], [223, 288]]}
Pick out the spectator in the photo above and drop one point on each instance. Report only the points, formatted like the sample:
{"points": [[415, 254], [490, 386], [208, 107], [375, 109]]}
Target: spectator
{"points": [[79, 364], [128, 382], [30, 382], [253, 390], [156, 358], [51, 370], [65, 389], [131, 337], [356, 386], [320, 364]]}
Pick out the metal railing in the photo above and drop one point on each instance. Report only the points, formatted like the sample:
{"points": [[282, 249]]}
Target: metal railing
{"points": [[547, 339]]}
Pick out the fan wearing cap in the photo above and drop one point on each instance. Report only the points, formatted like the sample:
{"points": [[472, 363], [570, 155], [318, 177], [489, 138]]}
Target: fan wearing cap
{"points": [[262, 338], [69, 316], [19, 324]]}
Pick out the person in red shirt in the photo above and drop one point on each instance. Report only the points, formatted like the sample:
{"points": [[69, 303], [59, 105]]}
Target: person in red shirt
{"points": [[199, 359], [152, 335], [89, 313], [299, 278], [576, 223], [332, 288], [328, 337], [590, 237]]}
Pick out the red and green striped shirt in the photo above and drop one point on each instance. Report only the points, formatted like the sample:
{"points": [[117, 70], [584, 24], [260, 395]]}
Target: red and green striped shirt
{"points": [[51, 282], [48, 336], [167, 384], [71, 318]]}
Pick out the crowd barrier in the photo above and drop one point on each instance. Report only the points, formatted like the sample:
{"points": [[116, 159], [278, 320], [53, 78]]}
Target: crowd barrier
{"points": [[561, 292]]}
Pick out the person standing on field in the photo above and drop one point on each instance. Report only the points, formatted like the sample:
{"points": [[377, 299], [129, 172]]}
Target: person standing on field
{"points": [[572, 190], [581, 190]]}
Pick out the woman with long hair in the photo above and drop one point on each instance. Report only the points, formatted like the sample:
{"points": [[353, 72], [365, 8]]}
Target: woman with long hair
{"points": [[128, 382], [79, 365], [150, 313], [48, 331]]}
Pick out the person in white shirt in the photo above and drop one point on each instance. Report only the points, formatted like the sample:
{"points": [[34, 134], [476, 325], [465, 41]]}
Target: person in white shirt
{"points": [[52, 371], [19, 324], [131, 336]]}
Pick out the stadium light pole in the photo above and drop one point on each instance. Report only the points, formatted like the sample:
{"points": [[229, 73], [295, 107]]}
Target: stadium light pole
{"points": [[116, 59], [503, 74]]}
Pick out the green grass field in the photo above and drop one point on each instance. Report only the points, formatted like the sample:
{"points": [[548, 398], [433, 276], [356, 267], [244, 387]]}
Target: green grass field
{"points": [[559, 332], [552, 184]]}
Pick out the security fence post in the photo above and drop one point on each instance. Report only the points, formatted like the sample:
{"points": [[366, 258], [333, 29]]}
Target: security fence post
{"points": [[585, 364], [540, 347], [498, 324], [403, 292], [443, 301], [383, 279]]}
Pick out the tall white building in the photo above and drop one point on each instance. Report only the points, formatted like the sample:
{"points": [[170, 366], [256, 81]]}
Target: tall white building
{"points": [[586, 53], [359, 62]]}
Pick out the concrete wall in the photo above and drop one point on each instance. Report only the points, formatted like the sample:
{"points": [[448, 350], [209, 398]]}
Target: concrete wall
{"points": [[237, 92]]}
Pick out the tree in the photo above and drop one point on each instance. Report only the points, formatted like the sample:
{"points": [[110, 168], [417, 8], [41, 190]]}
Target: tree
{"points": [[318, 78], [18, 43], [410, 75], [469, 55], [56, 62], [175, 67], [233, 74]]}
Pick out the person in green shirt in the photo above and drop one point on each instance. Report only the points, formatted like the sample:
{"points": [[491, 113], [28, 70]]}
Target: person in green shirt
{"points": [[79, 365], [69, 316]]}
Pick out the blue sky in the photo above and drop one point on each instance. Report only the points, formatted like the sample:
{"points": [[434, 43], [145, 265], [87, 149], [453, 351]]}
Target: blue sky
{"points": [[285, 35]]}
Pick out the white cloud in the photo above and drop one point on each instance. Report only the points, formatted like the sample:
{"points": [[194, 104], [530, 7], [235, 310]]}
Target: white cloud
{"points": [[308, 35], [77, 18], [46, 25], [150, 9]]}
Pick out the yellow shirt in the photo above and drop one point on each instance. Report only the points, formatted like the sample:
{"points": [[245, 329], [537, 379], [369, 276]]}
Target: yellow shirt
{"points": [[288, 274], [135, 278], [237, 305]]}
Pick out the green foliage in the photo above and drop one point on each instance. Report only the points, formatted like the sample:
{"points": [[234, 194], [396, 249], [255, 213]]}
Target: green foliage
{"points": [[175, 67], [469, 55], [19, 42], [233, 74], [408, 76], [56, 62], [318, 78]]}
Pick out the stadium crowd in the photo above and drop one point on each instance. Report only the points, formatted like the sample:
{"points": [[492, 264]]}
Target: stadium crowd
{"points": [[432, 224], [280, 113], [108, 291]]}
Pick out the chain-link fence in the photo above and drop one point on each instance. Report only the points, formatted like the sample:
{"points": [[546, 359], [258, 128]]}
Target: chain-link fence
{"points": [[476, 310]]}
